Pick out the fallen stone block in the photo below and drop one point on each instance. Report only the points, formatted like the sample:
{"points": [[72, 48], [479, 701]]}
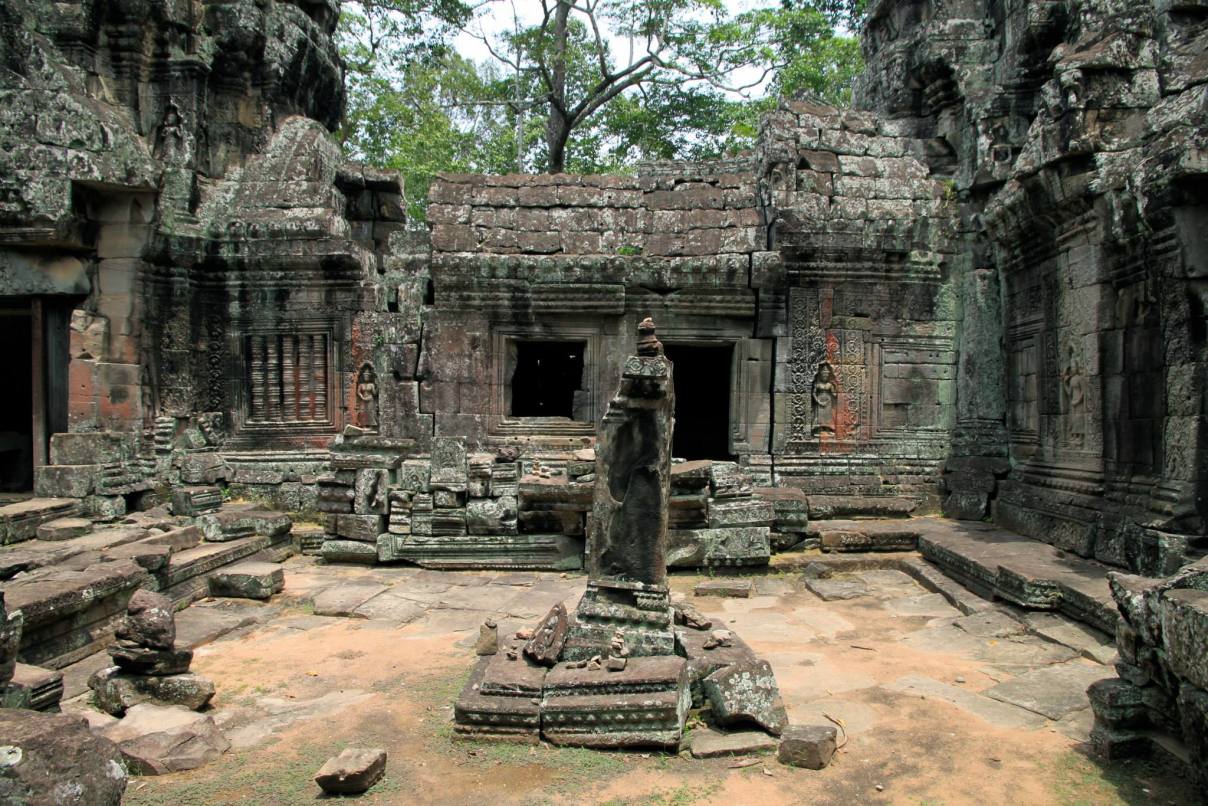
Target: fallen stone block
{"points": [[808, 746], [712, 744], [351, 772], [46, 755], [232, 524], [728, 588], [158, 739], [349, 551], [115, 691], [193, 501], [67, 481], [746, 692], [248, 580]]}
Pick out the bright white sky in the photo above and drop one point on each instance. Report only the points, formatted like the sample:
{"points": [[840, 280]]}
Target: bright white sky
{"points": [[497, 16]]}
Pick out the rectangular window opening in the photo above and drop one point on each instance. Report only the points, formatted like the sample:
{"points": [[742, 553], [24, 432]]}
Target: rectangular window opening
{"points": [[548, 379]]}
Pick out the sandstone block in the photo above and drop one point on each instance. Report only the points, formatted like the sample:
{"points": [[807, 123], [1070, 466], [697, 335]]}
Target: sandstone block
{"points": [[48, 754], [809, 746], [351, 772], [248, 580]]}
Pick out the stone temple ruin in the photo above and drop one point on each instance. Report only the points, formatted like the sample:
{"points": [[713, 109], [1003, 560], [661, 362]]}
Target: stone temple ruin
{"points": [[964, 321]]}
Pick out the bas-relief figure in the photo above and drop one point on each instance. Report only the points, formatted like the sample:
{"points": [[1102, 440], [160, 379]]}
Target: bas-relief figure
{"points": [[825, 400], [367, 398]]}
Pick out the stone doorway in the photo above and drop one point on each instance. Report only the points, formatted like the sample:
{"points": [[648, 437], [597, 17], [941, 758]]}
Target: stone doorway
{"points": [[16, 404], [702, 400]]}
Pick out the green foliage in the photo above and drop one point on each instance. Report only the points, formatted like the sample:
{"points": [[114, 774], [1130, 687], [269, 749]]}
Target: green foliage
{"points": [[691, 83]]}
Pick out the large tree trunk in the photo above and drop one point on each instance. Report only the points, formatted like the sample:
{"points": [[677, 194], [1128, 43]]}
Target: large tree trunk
{"points": [[557, 127]]}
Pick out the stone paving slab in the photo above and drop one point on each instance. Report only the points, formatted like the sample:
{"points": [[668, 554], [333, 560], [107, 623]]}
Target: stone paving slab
{"points": [[388, 606], [997, 713], [343, 600], [1053, 691]]}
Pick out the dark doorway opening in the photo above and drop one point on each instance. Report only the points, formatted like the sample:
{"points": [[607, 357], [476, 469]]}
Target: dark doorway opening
{"points": [[702, 401], [548, 379], [16, 404]]}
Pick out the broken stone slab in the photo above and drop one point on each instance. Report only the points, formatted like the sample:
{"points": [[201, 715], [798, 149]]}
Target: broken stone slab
{"points": [[706, 743], [158, 739], [115, 691], [55, 758], [248, 580], [808, 746], [150, 621], [63, 528], [343, 600], [727, 588], [746, 692], [352, 772]]}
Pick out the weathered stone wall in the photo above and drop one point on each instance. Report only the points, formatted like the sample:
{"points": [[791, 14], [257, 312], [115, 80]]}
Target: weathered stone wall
{"points": [[1075, 133], [585, 258]]}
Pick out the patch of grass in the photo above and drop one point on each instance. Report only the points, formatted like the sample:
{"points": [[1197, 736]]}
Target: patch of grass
{"points": [[1081, 781], [236, 779], [682, 795]]}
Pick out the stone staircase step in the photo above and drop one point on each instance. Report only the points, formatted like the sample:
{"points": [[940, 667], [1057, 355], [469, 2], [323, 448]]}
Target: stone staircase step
{"points": [[186, 580], [70, 613], [831, 507], [995, 563], [19, 521]]}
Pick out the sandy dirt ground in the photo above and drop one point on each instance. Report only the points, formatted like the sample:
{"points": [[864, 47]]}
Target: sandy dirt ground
{"points": [[910, 680]]}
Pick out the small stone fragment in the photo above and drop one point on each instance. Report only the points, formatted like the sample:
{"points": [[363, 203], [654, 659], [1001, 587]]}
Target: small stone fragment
{"points": [[689, 616], [351, 772], [488, 638], [546, 643], [719, 638], [809, 746]]}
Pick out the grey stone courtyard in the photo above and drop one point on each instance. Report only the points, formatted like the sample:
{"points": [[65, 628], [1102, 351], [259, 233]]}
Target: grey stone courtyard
{"points": [[936, 704]]}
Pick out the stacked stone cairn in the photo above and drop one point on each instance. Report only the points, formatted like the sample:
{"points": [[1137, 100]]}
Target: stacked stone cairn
{"points": [[148, 666], [626, 667]]}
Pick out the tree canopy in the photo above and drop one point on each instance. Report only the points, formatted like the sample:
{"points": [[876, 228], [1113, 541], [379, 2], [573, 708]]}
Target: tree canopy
{"points": [[587, 86]]}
